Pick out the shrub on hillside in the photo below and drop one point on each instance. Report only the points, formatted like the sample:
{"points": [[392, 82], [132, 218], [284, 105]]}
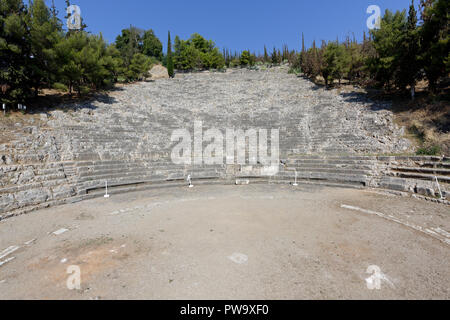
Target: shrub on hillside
{"points": [[197, 53]]}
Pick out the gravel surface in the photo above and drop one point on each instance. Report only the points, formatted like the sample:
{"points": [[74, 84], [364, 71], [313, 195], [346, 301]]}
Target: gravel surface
{"points": [[229, 242]]}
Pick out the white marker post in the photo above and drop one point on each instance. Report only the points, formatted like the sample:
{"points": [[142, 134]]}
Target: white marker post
{"points": [[439, 188], [106, 185], [189, 179], [4, 109], [295, 182]]}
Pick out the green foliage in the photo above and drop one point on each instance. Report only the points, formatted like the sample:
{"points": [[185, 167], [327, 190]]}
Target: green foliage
{"points": [[311, 62], [335, 63], [235, 62], [186, 56], [246, 58], [395, 57], [129, 43], [139, 67], [45, 33], [387, 42], [152, 46], [409, 68], [197, 53], [36, 53], [60, 87], [212, 59], [418, 132], [429, 151], [15, 49], [266, 58], [170, 66], [293, 70], [87, 62], [276, 58], [435, 40]]}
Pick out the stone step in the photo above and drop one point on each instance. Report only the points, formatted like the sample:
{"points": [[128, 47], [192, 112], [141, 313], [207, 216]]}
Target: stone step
{"points": [[444, 165], [421, 176], [170, 174], [312, 166], [91, 156], [89, 170], [112, 177], [343, 184], [32, 185], [430, 159], [49, 171], [422, 187], [34, 196], [434, 171], [331, 170], [335, 177], [24, 177], [331, 161]]}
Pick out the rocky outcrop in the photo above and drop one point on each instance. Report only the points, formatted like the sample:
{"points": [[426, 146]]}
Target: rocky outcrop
{"points": [[159, 72]]}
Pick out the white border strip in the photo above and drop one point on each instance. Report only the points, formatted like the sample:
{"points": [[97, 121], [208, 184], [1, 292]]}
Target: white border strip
{"points": [[439, 236], [6, 261], [8, 251]]}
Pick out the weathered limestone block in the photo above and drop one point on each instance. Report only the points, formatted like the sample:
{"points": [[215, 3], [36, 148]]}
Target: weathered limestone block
{"points": [[26, 176], [64, 191], [159, 72], [394, 184], [425, 191], [6, 202], [32, 197]]}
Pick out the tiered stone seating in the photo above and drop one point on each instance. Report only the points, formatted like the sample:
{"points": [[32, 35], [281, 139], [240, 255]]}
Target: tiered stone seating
{"points": [[354, 171], [127, 143], [419, 175], [26, 187]]}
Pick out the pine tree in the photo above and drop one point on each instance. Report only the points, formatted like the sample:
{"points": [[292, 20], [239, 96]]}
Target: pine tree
{"points": [[245, 59], [170, 58], [139, 67], [409, 65], [388, 43], [45, 32], [15, 52], [274, 56], [303, 43], [434, 39], [151, 45], [129, 43]]}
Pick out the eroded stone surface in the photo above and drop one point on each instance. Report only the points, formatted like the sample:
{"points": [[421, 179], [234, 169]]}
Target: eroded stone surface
{"points": [[159, 72]]}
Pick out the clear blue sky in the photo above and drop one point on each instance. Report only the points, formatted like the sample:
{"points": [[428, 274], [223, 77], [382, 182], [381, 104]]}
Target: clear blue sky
{"points": [[237, 25]]}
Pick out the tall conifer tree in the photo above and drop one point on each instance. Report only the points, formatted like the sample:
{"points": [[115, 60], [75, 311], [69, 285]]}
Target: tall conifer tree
{"points": [[170, 58]]}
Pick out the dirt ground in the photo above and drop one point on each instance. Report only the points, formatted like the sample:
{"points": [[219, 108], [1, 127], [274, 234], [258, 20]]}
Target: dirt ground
{"points": [[231, 242]]}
